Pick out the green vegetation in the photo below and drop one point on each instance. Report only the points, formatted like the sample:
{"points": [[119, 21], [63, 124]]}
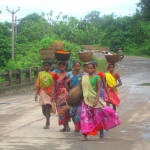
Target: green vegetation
{"points": [[35, 31], [144, 84], [101, 64]]}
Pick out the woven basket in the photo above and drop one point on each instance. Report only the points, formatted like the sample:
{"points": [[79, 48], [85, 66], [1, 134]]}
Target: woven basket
{"points": [[47, 53], [57, 45], [112, 58], [62, 57], [75, 96], [85, 56]]}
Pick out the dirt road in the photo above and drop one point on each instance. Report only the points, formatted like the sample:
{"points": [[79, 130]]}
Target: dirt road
{"points": [[21, 120]]}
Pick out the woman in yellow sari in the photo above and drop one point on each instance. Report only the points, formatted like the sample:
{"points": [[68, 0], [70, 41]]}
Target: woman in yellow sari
{"points": [[111, 79], [45, 89]]}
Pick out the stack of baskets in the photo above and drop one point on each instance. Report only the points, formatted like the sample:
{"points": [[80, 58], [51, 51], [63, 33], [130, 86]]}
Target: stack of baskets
{"points": [[49, 52], [85, 56], [112, 58]]}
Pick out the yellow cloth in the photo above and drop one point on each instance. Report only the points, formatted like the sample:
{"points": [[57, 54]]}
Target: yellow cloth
{"points": [[89, 94], [111, 81]]}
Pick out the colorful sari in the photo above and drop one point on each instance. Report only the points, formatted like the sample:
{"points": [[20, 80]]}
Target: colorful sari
{"points": [[94, 119], [111, 82], [45, 82], [61, 95], [74, 81]]}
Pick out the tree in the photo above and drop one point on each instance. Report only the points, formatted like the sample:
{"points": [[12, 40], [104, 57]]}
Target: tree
{"points": [[144, 6], [5, 44]]}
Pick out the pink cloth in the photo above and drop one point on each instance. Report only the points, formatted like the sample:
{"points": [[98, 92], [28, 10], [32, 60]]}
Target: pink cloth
{"points": [[91, 117], [114, 99]]}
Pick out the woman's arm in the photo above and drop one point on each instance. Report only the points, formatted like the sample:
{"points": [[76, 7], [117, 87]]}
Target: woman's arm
{"points": [[105, 86], [37, 93], [97, 94], [120, 82], [117, 85], [65, 84]]}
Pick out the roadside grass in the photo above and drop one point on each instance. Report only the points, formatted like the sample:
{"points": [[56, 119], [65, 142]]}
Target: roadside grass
{"points": [[102, 64], [144, 84]]}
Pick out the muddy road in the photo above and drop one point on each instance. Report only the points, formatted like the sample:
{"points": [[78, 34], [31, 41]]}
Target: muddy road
{"points": [[21, 120]]}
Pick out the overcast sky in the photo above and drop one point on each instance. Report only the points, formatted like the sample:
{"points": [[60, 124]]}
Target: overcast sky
{"points": [[76, 8]]}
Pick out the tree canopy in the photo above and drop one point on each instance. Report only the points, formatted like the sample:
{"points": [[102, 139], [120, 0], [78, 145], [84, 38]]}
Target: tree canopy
{"points": [[132, 33]]}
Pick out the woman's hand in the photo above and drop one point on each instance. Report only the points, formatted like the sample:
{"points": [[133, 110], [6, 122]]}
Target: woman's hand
{"points": [[113, 88], [109, 98], [35, 97], [95, 103]]}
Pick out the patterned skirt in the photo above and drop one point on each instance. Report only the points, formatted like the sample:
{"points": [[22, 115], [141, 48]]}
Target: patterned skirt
{"points": [[95, 119]]}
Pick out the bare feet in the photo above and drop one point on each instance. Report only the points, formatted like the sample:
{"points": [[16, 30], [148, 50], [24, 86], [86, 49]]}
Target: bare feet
{"points": [[46, 127], [63, 130], [84, 138]]}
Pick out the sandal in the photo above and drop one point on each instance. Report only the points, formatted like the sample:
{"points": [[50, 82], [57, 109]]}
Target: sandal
{"points": [[63, 130], [101, 136]]}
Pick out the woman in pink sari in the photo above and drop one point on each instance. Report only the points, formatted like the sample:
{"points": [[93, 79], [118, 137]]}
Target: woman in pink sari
{"points": [[94, 114], [60, 96]]}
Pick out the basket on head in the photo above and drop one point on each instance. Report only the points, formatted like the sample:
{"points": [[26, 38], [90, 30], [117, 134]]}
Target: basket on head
{"points": [[62, 56], [112, 58], [57, 45], [47, 53], [85, 56], [75, 96]]}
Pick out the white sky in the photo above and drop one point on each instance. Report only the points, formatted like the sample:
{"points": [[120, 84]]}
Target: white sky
{"points": [[76, 8]]}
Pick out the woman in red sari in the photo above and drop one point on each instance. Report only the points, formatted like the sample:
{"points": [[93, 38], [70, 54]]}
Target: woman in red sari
{"points": [[60, 96]]}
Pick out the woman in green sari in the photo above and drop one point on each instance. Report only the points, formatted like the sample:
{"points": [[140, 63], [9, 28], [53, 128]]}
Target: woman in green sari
{"points": [[45, 89]]}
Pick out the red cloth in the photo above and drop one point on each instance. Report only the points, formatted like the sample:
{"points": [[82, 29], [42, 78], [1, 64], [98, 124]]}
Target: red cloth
{"points": [[77, 126], [95, 130], [116, 75], [101, 75], [114, 99], [54, 75]]}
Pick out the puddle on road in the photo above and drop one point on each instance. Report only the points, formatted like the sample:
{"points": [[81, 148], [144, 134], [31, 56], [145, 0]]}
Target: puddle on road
{"points": [[11, 103], [144, 84], [145, 136], [123, 131]]}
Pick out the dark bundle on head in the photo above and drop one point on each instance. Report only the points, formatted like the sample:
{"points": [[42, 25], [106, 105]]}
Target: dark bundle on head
{"points": [[62, 63], [47, 62]]}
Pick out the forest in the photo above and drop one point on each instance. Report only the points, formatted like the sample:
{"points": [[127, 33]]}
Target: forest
{"points": [[131, 33]]}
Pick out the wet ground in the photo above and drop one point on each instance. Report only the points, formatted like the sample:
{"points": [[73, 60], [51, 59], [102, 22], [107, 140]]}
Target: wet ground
{"points": [[21, 120]]}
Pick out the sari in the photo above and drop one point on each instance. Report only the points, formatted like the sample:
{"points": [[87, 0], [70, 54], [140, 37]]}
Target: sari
{"points": [[111, 82], [94, 119], [101, 75], [45, 82], [74, 81], [60, 96]]}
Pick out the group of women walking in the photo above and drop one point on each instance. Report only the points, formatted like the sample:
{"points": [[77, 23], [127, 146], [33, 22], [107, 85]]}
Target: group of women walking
{"points": [[93, 115]]}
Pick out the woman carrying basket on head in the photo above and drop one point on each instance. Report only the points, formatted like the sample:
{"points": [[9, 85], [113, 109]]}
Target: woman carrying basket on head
{"points": [[111, 79], [45, 89], [75, 77], [60, 97], [94, 114]]}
